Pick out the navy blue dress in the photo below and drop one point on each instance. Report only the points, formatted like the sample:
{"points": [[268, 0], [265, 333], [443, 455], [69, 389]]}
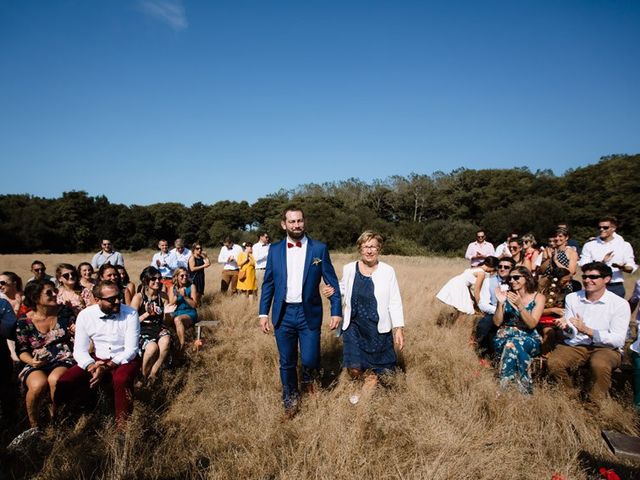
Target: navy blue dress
{"points": [[364, 347]]}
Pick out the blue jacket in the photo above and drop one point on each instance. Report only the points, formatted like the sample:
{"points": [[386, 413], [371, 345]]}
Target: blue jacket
{"points": [[317, 266]]}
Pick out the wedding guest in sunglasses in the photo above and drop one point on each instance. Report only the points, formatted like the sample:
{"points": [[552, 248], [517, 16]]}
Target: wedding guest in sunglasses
{"points": [[517, 340], [532, 257], [44, 345], [184, 296], [70, 291], [126, 285], [595, 325], [39, 271], [11, 290], [155, 340], [517, 252], [560, 256], [114, 331], [106, 255], [610, 248]]}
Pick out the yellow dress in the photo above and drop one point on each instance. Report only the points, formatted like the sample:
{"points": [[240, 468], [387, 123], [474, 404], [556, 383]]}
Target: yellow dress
{"points": [[249, 283]]}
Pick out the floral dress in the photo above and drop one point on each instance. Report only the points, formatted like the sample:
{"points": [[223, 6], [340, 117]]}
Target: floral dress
{"points": [[516, 345], [55, 346]]}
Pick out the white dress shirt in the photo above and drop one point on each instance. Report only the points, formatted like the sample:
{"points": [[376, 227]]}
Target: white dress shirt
{"points": [[485, 248], [260, 253], [502, 250], [114, 338], [608, 317], [295, 270], [183, 258], [168, 263], [224, 255], [596, 250]]}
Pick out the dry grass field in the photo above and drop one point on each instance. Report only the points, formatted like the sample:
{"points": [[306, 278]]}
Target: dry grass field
{"points": [[220, 415]]}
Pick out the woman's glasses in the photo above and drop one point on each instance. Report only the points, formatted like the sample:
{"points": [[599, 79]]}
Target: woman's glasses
{"points": [[514, 278], [155, 279], [68, 275]]}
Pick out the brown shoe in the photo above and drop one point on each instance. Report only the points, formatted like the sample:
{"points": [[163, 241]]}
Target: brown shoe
{"points": [[309, 389]]}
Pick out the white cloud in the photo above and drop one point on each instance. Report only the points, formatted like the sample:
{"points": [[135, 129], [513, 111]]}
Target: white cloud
{"points": [[170, 12]]}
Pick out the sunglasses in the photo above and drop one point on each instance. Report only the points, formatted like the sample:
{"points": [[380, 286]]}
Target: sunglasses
{"points": [[504, 267], [38, 270], [3, 283], [182, 276], [592, 277], [515, 278], [155, 279], [112, 300], [68, 275], [514, 247], [604, 227], [50, 293]]}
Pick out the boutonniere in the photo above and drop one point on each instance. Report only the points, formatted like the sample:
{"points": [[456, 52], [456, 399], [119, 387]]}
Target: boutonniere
{"points": [[317, 261]]}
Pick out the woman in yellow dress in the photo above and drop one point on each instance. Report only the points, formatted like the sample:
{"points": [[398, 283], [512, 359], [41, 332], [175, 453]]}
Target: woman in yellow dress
{"points": [[247, 283]]}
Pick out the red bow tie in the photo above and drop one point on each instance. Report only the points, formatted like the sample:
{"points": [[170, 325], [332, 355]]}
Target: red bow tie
{"points": [[291, 245]]}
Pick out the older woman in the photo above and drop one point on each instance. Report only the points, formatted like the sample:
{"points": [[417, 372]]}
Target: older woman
{"points": [[247, 283], [43, 344], [516, 317], [155, 340], [183, 295], [70, 291], [372, 311]]}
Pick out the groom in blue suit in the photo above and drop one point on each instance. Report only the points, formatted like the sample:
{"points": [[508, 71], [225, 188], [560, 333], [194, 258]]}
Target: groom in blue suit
{"points": [[295, 267]]}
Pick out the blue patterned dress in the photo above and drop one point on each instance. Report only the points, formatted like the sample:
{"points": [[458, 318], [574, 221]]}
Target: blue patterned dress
{"points": [[364, 347], [516, 345]]}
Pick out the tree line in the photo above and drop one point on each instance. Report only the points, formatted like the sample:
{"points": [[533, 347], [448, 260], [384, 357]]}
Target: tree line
{"points": [[417, 214]]}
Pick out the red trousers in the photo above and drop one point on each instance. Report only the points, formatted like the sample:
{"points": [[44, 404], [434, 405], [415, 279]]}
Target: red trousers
{"points": [[74, 384]]}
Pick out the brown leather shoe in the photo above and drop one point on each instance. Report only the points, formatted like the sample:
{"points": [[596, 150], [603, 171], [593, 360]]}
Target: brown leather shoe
{"points": [[309, 389]]}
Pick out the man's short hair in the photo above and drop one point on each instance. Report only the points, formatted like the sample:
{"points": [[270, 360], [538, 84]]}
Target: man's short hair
{"points": [[227, 239], [37, 262], [291, 208], [162, 240], [601, 267], [101, 285], [609, 218], [510, 260]]}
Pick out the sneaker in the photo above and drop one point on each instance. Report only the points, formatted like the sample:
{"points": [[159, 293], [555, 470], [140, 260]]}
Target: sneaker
{"points": [[20, 441]]}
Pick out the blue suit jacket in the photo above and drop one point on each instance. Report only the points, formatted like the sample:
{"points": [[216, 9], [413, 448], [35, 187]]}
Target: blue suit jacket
{"points": [[274, 286]]}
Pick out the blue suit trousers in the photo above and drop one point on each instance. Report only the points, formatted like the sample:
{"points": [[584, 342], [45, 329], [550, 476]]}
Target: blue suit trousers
{"points": [[293, 329]]}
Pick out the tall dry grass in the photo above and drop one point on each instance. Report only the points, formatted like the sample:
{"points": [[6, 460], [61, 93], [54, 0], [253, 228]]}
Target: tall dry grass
{"points": [[443, 417]]}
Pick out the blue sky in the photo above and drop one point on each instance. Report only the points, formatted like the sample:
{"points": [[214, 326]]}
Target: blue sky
{"points": [[181, 100]]}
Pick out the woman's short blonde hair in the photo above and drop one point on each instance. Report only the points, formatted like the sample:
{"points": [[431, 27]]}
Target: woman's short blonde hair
{"points": [[369, 235]]}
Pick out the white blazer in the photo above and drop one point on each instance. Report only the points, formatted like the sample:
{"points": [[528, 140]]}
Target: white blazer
{"points": [[386, 291]]}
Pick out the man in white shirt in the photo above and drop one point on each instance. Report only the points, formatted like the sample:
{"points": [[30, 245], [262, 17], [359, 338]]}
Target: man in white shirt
{"points": [[485, 329], [228, 257], [595, 323], [166, 262], [182, 253], [106, 255], [114, 331], [260, 253], [480, 249], [611, 249], [502, 250]]}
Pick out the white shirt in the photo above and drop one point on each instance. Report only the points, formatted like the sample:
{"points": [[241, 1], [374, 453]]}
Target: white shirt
{"points": [[485, 248], [488, 300], [608, 317], [502, 250], [168, 263], [114, 338], [596, 250], [260, 253], [183, 258], [295, 270], [224, 255]]}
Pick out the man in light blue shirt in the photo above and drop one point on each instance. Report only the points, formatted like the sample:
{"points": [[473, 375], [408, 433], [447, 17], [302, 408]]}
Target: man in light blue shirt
{"points": [[165, 261]]}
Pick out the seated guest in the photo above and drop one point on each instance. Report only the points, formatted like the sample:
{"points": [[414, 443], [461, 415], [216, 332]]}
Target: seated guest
{"points": [[43, 344], [561, 256], [502, 250], [635, 347], [110, 272], [228, 257], [39, 271], [87, 282], [247, 283], [595, 323], [517, 252], [166, 262], [155, 340], [183, 296], [532, 258], [516, 317], [126, 285], [456, 291], [8, 392], [106, 255], [182, 253], [485, 329], [198, 261], [70, 292], [555, 287], [114, 330], [11, 289]]}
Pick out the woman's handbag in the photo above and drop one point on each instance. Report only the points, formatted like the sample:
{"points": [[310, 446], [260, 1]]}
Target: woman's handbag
{"points": [[242, 276]]}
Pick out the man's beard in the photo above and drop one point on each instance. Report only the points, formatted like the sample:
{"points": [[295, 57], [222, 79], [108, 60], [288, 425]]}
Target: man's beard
{"points": [[295, 235], [115, 308]]}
